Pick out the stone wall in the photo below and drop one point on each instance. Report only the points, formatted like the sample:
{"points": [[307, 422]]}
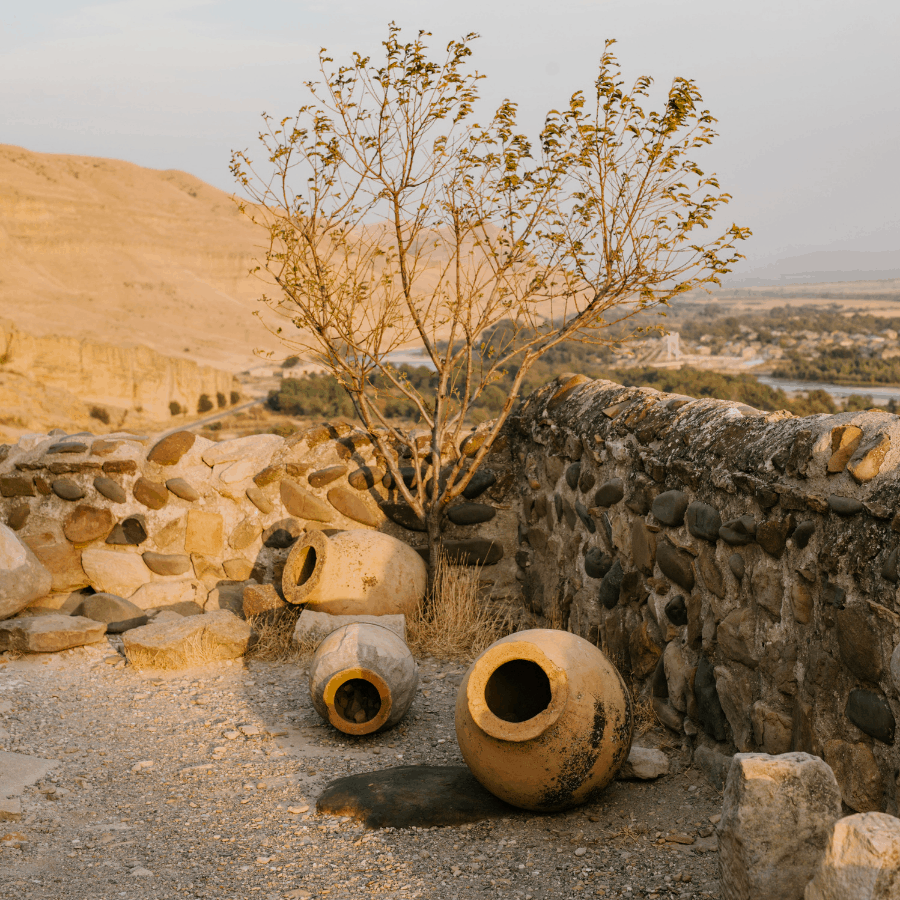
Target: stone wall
{"points": [[740, 567]]}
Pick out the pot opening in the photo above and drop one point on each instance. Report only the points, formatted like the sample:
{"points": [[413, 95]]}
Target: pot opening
{"points": [[518, 690], [357, 701], [308, 562]]}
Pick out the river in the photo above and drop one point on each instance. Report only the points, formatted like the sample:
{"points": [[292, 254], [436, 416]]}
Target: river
{"points": [[880, 394]]}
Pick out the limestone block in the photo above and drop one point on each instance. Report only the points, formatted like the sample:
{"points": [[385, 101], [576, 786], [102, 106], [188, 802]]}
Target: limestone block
{"points": [[215, 635], [245, 533], [856, 771], [23, 579], [771, 729], [735, 692], [314, 625], [50, 633], [87, 523], [777, 817], [736, 635], [228, 595], [644, 764], [260, 599], [255, 446], [57, 555], [204, 533], [115, 572], [237, 568], [862, 861], [165, 593]]}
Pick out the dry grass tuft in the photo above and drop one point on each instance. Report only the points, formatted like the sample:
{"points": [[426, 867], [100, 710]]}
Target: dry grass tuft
{"points": [[274, 639], [644, 714], [457, 621]]}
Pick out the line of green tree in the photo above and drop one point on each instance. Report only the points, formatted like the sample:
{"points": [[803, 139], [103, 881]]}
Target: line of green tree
{"points": [[840, 365]]}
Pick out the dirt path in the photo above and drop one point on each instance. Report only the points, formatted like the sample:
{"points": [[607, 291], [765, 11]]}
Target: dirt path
{"points": [[202, 784]]}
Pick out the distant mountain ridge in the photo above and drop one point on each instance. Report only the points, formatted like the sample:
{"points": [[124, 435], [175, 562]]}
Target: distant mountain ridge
{"points": [[822, 266]]}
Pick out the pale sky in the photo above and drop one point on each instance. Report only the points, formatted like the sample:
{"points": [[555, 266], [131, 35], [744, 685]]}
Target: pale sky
{"points": [[806, 91]]}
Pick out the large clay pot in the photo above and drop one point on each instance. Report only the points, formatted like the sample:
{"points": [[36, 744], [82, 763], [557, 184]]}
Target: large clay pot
{"points": [[354, 573], [362, 678], [543, 719]]}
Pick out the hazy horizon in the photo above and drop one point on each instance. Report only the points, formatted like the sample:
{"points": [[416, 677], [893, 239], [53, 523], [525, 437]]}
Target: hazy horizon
{"points": [[805, 93]]}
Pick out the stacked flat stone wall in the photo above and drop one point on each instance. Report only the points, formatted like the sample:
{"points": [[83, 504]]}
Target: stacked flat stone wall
{"points": [[741, 567]]}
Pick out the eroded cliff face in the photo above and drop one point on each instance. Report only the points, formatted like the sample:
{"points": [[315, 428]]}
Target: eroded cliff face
{"points": [[125, 378]]}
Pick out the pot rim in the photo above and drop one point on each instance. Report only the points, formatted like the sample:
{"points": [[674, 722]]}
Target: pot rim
{"points": [[488, 663], [349, 674], [299, 594]]}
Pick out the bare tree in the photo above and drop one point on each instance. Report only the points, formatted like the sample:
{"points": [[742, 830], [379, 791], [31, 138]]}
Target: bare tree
{"points": [[395, 220]]}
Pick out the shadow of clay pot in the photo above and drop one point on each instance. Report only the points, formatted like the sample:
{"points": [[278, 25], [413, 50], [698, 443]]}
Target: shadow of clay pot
{"points": [[354, 573], [543, 719], [362, 678]]}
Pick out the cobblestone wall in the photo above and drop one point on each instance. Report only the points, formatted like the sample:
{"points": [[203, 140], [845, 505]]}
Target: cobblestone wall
{"points": [[741, 567]]}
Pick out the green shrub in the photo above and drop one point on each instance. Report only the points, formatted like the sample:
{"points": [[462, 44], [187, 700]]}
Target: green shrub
{"points": [[204, 404], [235, 398], [100, 413], [221, 400], [175, 408]]}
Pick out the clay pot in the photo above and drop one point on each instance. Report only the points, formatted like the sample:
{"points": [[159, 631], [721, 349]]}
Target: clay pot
{"points": [[362, 678], [354, 573], [543, 719]]}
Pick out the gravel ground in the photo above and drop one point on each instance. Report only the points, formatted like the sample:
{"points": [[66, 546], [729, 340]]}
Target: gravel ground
{"points": [[203, 784]]}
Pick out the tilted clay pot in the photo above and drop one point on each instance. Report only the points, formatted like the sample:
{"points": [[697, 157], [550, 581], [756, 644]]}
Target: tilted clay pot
{"points": [[543, 719], [362, 678], [354, 573]]}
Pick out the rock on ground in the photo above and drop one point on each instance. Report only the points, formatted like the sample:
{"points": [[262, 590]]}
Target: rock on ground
{"points": [[22, 577], [194, 639], [117, 613], [49, 634], [862, 861], [776, 820], [644, 764]]}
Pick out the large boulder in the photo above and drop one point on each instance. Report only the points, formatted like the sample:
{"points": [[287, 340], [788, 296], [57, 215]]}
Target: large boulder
{"points": [[49, 633], [190, 641], [777, 818], [23, 578], [862, 861], [116, 613]]}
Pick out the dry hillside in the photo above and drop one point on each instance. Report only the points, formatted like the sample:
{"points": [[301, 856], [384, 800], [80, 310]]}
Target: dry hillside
{"points": [[123, 255]]}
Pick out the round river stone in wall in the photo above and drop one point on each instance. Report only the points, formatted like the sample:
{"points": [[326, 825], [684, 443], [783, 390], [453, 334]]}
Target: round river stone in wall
{"points": [[110, 489], [326, 476], [737, 565], [670, 507], [166, 563], [675, 565], [610, 493], [68, 447], [170, 449], [676, 611], [739, 532], [66, 489], [259, 500], [845, 506], [180, 488], [129, 532], [802, 533], [870, 713], [85, 524], [481, 481], [365, 477], [403, 515], [703, 521], [151, 494], [471, 514], [301, 503], [597, 563], [353, 507]]}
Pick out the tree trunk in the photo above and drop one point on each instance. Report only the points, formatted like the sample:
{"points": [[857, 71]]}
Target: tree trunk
{"points": [[433, 529]]}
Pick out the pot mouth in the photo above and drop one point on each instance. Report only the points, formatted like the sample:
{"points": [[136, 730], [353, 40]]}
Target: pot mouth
{"points": [[304, 567], [358, 700], [515, 692]]}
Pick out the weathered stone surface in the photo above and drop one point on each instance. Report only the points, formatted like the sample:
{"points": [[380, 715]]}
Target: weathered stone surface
{"points": [[257, 446], [611, 586], [739, 532], [114, 572], [737, 566], [120, 467], [861, 862], [227, 595], [856, 771], [676, 611], [643, 546], [777, 816], [259, 500], [890, 570], [669, 507], [116, 613], [802, 533], [282, 534], [866, 461], [667, 715], [895, 668], [23, 578], [767, 589], [110, 489], [870, 713], [204, 533], [261, 599], [844, 441], [771, 729], [709, 709], [237, 568], [165, 594], [167, 563], [59, 558], [481, 481], [644, 652], [470, 513], [66, 489], [734, 686], [845, 506], [610, 493], [87, 523], [736, 635], [403, 515], [801, 603], [833, 594], [49, 634], [322, 477], [129, 532], [18, 771], [151, 494], [772, 536], [13, 486], [301, 503], [473, 552], [18, 516], [365, 478], [68, 447], [644, 764], [216, 635], [573, 474], [675, 565], [703, 521], [859, 642], [245, 533], [714, 765], [677, 675], [170, 449], [711, 573], [316, 626], [352, 505], [596, 563], [407, 796], [182, 489]]}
